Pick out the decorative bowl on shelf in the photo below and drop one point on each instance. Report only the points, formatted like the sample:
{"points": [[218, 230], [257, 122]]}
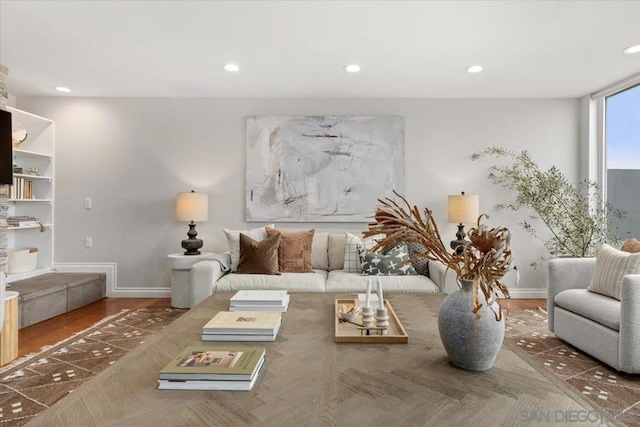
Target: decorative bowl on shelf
{"points": [[19, 134]]}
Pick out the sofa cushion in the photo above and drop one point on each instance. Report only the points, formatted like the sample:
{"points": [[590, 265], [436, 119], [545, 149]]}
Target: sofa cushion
{"points": [[259, 257], [319, 251], [233, 239], [335, 251], [293, 282], [341, 281], [611, 266], [294, 253], [394, 262], [599, 308]]}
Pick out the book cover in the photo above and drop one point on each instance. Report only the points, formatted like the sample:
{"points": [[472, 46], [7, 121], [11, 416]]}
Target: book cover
{"points": [[243, 385], [249, 322], [225, 362], [259, 297]]}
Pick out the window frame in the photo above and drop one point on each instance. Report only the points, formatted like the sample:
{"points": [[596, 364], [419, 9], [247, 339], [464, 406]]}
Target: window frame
{"points": [[595, 161]]}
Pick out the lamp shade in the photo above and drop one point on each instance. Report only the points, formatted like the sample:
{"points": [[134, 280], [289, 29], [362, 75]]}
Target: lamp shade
{"points": [[463, 208], [192, 207]]}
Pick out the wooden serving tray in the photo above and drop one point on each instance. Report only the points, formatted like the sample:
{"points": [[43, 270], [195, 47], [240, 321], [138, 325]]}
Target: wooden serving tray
{"points": [[348, 332]]}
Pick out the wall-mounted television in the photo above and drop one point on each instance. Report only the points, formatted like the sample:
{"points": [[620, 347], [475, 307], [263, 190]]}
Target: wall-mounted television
{"points": [[6, 150]]}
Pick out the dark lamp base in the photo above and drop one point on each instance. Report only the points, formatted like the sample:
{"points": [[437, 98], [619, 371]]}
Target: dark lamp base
{"points": [[192, 244]]}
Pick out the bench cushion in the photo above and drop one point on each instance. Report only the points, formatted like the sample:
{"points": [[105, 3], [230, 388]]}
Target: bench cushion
{"points": [[599, 308]]}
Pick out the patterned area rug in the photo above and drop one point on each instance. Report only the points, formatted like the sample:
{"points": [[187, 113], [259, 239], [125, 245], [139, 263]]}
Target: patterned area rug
{"points": [[615, 392], [33, 383]]}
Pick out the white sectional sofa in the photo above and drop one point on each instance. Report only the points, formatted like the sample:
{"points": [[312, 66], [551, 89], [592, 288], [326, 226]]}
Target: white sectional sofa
{"points": [[327, 259]]}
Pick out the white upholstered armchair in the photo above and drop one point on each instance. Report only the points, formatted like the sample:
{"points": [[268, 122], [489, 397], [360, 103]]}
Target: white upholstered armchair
{"points": [[604, 327]]}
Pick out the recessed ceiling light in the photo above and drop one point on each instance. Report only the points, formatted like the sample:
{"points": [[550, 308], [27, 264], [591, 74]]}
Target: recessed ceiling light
{"points": [[475, 69], [352, 68], [632, 49], [63, 89], [231, 67]]}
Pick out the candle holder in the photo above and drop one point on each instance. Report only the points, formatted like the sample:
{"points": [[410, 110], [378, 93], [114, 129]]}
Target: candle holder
{"points": [[382, 320], [367, 316]]}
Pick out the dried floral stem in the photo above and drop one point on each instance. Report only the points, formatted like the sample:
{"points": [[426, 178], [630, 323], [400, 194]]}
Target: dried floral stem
{"points": [[485, 259]]}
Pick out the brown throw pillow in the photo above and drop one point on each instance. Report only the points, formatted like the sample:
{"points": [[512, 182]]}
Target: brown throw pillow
{"points": [[294, 255], [631, 245], [258, 257]]}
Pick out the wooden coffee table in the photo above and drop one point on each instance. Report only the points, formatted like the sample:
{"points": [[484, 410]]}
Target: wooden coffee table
{"points": [[310, 380]]}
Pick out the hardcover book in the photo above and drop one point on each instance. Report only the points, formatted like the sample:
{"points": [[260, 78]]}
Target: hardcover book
{"points": [[211, 384], [268, 306], [259, 298], [243, 322], [225, 362], [241, 337]]}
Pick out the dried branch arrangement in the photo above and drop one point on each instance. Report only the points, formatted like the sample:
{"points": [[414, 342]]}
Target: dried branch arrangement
{"points": [[485, 259]]}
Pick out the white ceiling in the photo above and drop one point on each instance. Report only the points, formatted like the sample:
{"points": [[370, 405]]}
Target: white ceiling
{"points": [[529, 49]]}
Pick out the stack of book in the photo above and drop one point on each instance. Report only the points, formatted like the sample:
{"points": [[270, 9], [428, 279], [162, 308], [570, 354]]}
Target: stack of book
{"points": [[242, 326], [22, 221], [277, 301], [213, 368]]}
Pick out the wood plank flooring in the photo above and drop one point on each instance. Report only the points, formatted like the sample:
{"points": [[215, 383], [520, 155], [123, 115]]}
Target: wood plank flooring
{"points": [[51, 331], [32, 338]]}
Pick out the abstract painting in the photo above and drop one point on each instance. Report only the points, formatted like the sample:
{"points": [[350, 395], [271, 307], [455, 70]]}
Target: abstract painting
{"points": [[322, 168]]}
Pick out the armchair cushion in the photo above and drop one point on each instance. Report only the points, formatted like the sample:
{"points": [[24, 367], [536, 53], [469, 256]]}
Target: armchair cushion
{"points": [[599, 308], [611, 266]]}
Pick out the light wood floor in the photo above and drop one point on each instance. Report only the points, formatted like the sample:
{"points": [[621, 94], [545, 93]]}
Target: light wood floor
{"points": [[32, 338]]}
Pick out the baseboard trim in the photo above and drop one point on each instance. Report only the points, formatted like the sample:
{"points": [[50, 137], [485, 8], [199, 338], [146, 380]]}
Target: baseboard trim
{"points": [[528, 293], [111, 270]]}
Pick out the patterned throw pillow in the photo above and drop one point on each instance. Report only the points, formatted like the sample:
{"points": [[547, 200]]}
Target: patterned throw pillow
{"points": [[294, 254], [611, 266], [393, 263], [351, 257], [419, 261], [233, 238]]}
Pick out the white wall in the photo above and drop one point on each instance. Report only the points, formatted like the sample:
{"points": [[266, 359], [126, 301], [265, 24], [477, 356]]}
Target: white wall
{"points": [[132, 156]]}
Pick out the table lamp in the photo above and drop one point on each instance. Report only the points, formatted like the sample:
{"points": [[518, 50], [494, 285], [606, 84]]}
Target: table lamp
{"points": [[462, 209], [192, 207]]}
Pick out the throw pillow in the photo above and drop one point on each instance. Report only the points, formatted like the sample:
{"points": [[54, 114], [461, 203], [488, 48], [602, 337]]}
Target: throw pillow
{"points": [[294, 254], [395, 262], [258, 257], [351, 256], [631, 246], [418, 258], [233, 238], [611, 266]]}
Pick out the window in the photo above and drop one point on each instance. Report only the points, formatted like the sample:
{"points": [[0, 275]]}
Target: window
{"points": [[622, 159]]}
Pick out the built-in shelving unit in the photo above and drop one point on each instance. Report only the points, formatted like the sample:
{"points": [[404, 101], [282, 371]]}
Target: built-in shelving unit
{"points": [[35, 152]]}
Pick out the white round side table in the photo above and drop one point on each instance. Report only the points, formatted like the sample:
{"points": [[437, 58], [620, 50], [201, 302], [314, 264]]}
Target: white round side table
{"points": [[180, 265]]}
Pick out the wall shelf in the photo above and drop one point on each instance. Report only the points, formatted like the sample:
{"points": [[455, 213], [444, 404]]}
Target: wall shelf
{"points": [[35, 152], [34, 177]]}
